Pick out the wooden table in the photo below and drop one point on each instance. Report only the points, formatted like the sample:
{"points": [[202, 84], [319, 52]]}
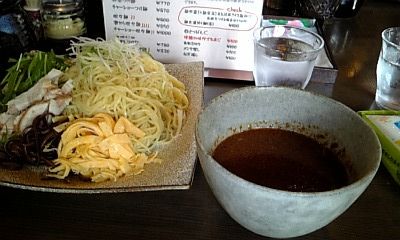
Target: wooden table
{"points": [[194, 213]]}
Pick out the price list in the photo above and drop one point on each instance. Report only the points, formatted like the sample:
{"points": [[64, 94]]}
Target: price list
{"points": [[217, 32]]}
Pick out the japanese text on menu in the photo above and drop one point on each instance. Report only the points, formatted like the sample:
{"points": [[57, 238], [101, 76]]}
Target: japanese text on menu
{"points": [[218, 32]]}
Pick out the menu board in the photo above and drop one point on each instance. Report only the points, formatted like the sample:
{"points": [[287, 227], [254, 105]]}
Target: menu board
{"points": [[217, 32]]}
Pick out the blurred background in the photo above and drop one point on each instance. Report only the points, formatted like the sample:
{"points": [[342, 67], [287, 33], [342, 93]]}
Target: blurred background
{"points": [[29, 24], [319, 9]]}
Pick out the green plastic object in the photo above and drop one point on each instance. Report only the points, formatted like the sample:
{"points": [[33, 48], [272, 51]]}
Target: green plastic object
{"points": [[386, 125]]}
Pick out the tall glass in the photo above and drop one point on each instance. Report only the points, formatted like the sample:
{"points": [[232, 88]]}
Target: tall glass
{"points": [[285, 56], [388, 70]]}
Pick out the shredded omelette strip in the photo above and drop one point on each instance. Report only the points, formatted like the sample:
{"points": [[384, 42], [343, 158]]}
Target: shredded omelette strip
{"points": [[101, 149]]}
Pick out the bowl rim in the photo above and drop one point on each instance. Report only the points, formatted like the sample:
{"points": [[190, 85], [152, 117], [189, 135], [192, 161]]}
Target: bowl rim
{"points": [[356, 184], [314, 50]]}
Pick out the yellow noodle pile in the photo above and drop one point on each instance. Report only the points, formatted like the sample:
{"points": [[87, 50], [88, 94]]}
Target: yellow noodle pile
{"points": [[119, 79]]}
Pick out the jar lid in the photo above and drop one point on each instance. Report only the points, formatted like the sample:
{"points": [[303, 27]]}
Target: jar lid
{"points": [[62, 6]]}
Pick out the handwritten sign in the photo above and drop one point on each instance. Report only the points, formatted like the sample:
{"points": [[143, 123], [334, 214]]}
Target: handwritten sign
{"points": [[217, 32]]}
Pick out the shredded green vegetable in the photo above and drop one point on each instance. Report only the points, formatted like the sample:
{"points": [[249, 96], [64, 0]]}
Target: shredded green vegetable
{"points": [[27, 70]]}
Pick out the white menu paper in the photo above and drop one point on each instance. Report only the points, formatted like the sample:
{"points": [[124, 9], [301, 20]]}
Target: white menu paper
{"points": [[217, 32]]}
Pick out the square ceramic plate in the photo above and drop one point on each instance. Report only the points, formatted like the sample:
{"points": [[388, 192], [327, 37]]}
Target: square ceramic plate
{"points": [[175, 172]]}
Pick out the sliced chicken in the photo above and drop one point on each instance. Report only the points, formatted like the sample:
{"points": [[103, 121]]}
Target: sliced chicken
{"points": [[35, 93], [44, 96], [68, 87], [30, 114], [58, 104], [6, 123]]}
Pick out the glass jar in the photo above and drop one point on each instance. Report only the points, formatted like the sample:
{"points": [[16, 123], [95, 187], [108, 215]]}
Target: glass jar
{"points": [[63, 20]]}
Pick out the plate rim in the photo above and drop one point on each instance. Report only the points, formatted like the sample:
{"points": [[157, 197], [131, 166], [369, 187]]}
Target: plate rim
{"points": [[152, 187]]}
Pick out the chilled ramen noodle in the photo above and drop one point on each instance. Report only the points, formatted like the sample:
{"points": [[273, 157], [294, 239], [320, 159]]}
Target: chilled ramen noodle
{"points": [[116, 81], [121, 80]]}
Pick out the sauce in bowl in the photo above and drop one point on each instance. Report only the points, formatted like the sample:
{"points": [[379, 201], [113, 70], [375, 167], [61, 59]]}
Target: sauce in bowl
{"points": [[283, 160]]}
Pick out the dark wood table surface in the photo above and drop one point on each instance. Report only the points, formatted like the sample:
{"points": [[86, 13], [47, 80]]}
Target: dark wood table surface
{"points": [[194, 213]]}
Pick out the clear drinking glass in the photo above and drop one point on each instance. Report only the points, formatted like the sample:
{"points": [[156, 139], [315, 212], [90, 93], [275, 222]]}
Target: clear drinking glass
{"points": [[285, 55], [388, 70]]}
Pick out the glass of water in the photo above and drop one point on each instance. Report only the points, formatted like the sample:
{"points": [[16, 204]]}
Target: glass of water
{"points": [[388, 70], [285, 55]]}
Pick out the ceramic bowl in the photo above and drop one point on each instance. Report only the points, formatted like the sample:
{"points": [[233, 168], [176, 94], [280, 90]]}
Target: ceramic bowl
{"points": [[276, 213]]}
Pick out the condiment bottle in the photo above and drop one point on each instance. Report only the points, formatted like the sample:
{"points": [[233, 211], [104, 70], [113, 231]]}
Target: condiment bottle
{"points": [[63, 20], [33, 10]]}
